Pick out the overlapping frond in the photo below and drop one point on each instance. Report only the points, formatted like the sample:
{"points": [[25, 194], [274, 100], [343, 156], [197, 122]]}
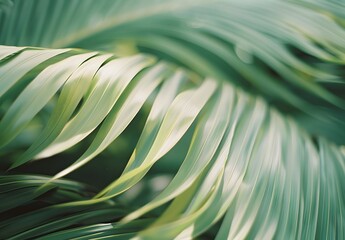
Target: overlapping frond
{"points": [[290, 52], [244, 161]]}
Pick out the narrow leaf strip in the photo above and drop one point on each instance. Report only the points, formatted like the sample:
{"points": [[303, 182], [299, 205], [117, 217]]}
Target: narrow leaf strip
{"points": [[110, 82], [36, 95]]}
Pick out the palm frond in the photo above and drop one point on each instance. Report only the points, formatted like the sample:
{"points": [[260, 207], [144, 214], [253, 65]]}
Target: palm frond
{"points": [[287, 60], [227, 169], [28, 213], [250, 164]]}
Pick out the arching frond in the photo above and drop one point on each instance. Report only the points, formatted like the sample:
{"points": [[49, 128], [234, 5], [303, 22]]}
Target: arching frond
{"points": [[213, 117], [290, 52], [244, 161]]}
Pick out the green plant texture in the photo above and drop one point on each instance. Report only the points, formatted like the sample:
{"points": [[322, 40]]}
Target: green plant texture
{"points": [[171, 119]]}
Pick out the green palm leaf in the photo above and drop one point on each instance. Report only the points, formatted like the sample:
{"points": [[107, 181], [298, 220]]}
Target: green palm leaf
{"points": [[241, 166]]}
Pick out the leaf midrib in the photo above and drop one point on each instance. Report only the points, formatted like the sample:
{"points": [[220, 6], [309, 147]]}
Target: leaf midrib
{"points": [[123, 18]]}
